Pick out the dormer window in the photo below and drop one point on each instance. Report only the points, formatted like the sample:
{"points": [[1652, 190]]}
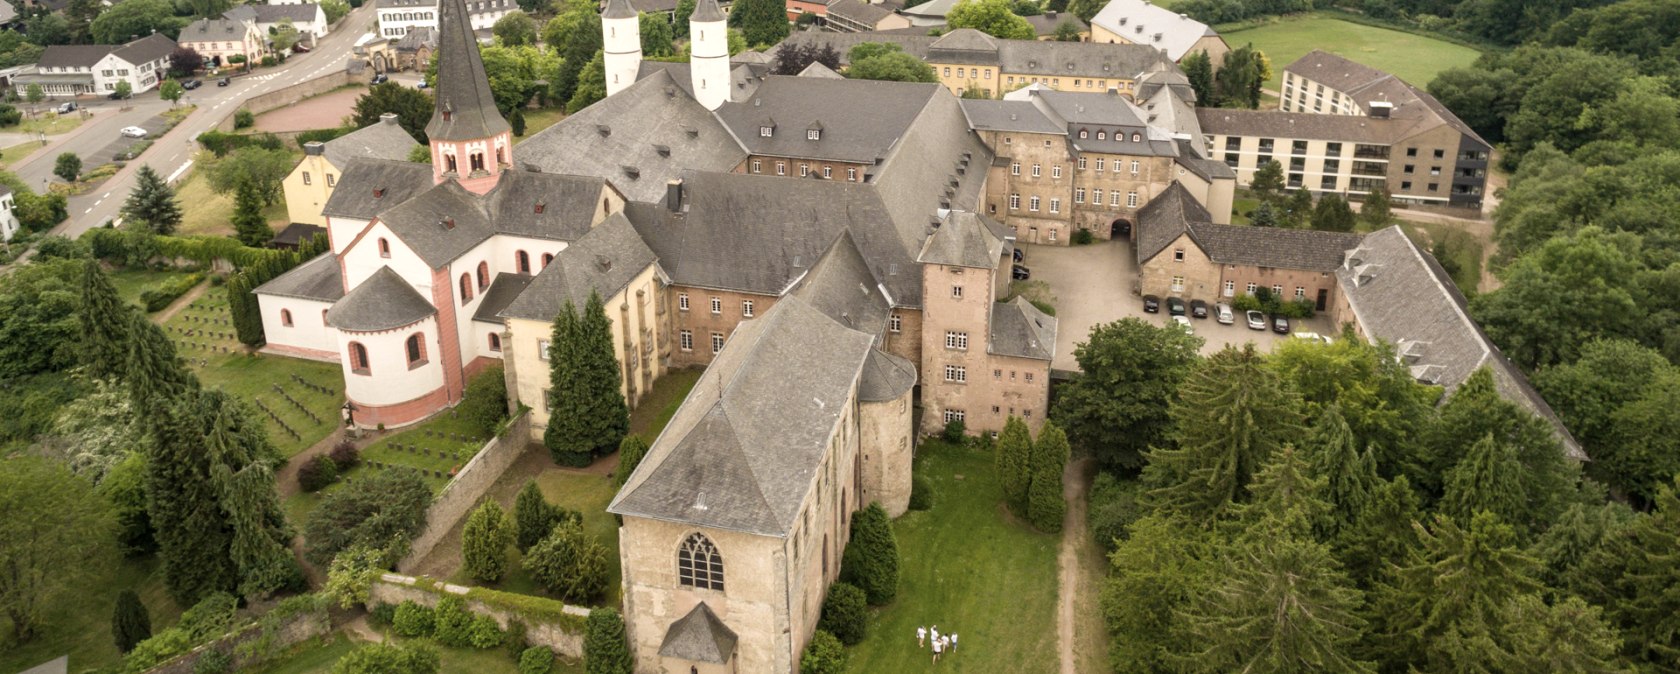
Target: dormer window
{"points": [[446, 114], [813, 134], [1102, 135], [1083, 134], [766, 131], [1136, 138]]}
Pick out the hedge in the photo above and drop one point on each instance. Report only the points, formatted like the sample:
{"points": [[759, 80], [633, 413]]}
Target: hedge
{"points": [[221, 143], [528, 606], [322, 135], [160, 295]]}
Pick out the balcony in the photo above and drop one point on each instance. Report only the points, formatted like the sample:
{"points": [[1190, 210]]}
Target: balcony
{"points": [[1370, 152], [1365, 168]]}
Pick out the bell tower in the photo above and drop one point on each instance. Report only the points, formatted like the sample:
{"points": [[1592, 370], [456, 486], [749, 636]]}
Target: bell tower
{"points": [[621, 44], [708, 61], [471, 143]]}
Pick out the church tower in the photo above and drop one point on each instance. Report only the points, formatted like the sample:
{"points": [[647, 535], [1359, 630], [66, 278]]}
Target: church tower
{"points": [[708, 62], [621, 44], [471, 143]]}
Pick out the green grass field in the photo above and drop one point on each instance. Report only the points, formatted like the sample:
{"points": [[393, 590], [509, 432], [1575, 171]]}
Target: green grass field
{"points": [[130, 282], [78, 624], [655, 411], [1413, 58], [436, 448], [204, 212], [12, 154], [970, 568], [537, 120]]}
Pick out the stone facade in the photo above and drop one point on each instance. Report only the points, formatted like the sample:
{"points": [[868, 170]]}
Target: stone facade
{"points": [[708, 331], [887, 436], [904, 334]]}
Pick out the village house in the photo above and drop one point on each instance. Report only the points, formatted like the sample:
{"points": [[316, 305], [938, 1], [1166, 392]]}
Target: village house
{"points": [[307, 17], [397, 18], [310, 184], [220, 39], [75, 70]]}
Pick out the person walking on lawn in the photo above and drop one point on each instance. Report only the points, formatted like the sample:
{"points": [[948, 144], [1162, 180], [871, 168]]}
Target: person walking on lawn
{"points": [[936, 650], [953, 641]]}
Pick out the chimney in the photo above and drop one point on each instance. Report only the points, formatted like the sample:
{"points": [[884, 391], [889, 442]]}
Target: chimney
{"points": [[1051, 14], [314, 148], [447, 222], [388, 118], [674, 195]]}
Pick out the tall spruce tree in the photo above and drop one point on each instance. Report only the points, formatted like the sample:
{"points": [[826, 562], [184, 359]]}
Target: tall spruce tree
{"points": [[610, 412], [104, 320], [240, 454], [1382, 532], [1635, 575], [249, 226], [193, 536], [564, 435], [157, 379], [1198, 68], [1349, 475], [1488, 478], [1014, 463], [606, 650], [130, 623], [587, 415], [152, 203], [533, 516], [1045, 504], [1475, 411]]}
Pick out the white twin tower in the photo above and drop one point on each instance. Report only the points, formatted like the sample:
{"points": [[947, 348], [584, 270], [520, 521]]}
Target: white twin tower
{"points": [[708, 64]]}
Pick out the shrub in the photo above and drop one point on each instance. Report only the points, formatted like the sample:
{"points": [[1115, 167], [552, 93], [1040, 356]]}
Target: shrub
{"points": [[605, 650], [536, 660], [954, 431], [345, 455], [1045, 504], [235, 59], [871, 558], [1082, 236], [382, 614], [455, 626], [824, 655], [388, 659], [221, 144], [321, 135], [844, 613], [516, 641], [485, 404], [50, 247], [268, 61], [484, 542], [630, 454], [570, 564], [1115, 504], [413, 620], [130, 623], [534, 517], [213, 661], [243, 118], [208, 619], [382, 511], [315, 474], [921, 492], [159, 295]]}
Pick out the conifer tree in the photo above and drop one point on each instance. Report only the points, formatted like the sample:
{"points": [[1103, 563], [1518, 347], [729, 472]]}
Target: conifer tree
{"points": [[1349, 475], [588, 416], [533, 516], [1045, 505], [1376, 212], [104, 320], [1486, 479], [871, 558], [1286, 492], [1014, 463], [1381, 533], [1198, 68], [564, 437], [152, 203], [1475, 411], [156, 377], [484, 542], [130, 623], [249, 226], [240, 455], [606, 650], [194, 540], [630, 454], [1332, 214], [1636, 576]]}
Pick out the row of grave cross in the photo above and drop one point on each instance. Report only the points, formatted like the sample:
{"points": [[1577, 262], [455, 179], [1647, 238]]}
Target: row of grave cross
{"points": [[201, 319], [283, 425], [457, 437], [311, 385], [305, 410], [423, 471], [199, 332], [422, 451]]}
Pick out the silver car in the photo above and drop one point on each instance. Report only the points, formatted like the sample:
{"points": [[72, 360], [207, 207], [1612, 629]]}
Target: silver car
{"points": [[1223, 314], [1256, 320]]}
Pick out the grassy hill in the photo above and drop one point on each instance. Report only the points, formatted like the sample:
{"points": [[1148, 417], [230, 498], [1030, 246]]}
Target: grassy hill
{"points": [[1413, 58]]}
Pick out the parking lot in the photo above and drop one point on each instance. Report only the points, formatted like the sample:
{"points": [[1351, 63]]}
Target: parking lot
{"points": [[1094, 284]]}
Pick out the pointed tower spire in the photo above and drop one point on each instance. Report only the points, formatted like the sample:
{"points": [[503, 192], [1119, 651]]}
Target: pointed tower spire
{"points": [[709, 54], [464, 109], [621, 44]]}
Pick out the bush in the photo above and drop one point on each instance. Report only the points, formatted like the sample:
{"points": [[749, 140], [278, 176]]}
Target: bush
{"points": [[824, 655], [536, 660], [954, 431], [10, 116], [382, 614], [484, 542], [269, 61], [458, 627], [569, 564], [50, 247], [605, 649], [315, 474], [870, 561], [1082, 236], [485, 404], [845, 613], [206, 620], [534, 517], [243, 118], [130, 623], [413, 620], [220, 143], [213, 661], [388, 659], [921, 492], [345, 455], [235, 59], [321, 135], [161, 294], [382, 511], [1115, 504]]}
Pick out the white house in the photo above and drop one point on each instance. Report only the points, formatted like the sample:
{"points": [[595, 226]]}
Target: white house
{"points": [[307, 17], [9, 225], [74, 70], [396, 17]]}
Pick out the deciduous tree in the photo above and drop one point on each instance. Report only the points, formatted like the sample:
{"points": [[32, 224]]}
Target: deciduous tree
{"points": [[413, 108], [1130, 371], [591, 85], [992, 17], [656, 35], [1267, 182], [55, 533], [68, 167], [515, 29], [762, 22]]}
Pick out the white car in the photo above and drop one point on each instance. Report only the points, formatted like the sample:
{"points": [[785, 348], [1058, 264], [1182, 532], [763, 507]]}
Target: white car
{"points": [[1223, 314], [1315, 337], [1256, 320], [1183, 322], [134, 132]]}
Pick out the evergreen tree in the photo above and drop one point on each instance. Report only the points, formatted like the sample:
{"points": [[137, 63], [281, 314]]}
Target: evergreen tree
{"points": [[1332, 215], [156, 377], [130, 623], [484, 542], [1569, 635], [1297, 210], [1635, 575], [1166, 564], [1377, 211], [104, 320], [587, 416], [194, 540], [1198, 68], [762, 22], [1285, 493], [152, 203], [1486, 479], [605, 647], [630, 454], [1233, 412], [564, 435], [1382, 532], [1475, 411], [1264, 215], [533, 516], [240, 455], [871, 558], [1014, 463], [845, 613], [1349, 475], [1045, 505], [516, 120], [1267, 182], [249, 226]]}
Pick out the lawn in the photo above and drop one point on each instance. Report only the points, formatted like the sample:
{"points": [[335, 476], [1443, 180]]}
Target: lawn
{"points": [[12, 154], [130, 282], [537, 120], [586, 493], [79, 622], [204, 212], [50, 123], [970, 568], [1241, 206], [436, 448], [655, 410], [1462, 252], [1413, 58]]}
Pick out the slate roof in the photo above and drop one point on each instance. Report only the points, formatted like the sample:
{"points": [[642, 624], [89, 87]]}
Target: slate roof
{"points": [[292, 235], [707, 10], [1146, 23], [385, 139], [1030, 57], [1047, 23], [298, 12], [1018, 116], [1274, 247], [963, 241], [885, 377], [868, 14], [860, 120], [465, 108], [1366, 84], [841, 286], [146, 49], [744, 448], [618, 9], [368, 186], [603, 261], [215, 30], [651, 127], [1019, 329], [1400, 294], [319, 279], [442, 223], [742, 76], [383, 302], [1164, 218], [502, 292], [73, 55], [699, 636], [817, 69]]}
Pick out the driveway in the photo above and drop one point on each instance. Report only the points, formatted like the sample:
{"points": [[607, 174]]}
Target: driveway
{"points": [[1094, 284]]}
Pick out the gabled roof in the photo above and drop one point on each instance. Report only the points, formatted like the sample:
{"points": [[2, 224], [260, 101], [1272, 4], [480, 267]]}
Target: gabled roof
{"points": [[73, 55], [1017, 116], [841, 286], [603, 262], [1047, 23], [744, 449], [216, 30], [384, 139], [502, 292], [886, 377], [304, 12], [1029, 57], [964, 240], [859, 11], [817, 69], [296, 233], [1175, 212], [699, 636], [1400, 294], [862, 120], [1301, 125], [465, 108], [1143, 22], [1161, 221], [146, 49], [369, 186], [1020, 330], [319, 279], [383, 302], [744, 77], [1365, 84]]}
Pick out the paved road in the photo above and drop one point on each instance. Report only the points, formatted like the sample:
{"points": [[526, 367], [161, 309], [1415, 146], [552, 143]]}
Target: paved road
{"points": [[171, 154]]}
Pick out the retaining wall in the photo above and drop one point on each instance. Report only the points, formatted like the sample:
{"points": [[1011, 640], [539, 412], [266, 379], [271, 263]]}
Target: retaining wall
{"points": [[280, 98], [467, 487], [297, 629], [547, 622]]}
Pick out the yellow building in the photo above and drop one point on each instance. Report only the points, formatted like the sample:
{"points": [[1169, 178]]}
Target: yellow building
{"points": [[311, 183]]}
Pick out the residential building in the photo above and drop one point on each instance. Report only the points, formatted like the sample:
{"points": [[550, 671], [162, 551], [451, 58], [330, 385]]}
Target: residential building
{"points": [[307, 17], [856, 16], [310, 185], [397, 17], [9, 224], [220, 39], [1145, 23], [1046, 24], [75, 70]]}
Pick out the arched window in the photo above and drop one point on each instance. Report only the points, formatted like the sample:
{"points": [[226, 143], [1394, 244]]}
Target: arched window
{"points": [[547, 258], [495, 342], [323, 317], [477, 161], [699, 564], [522, 262], [466, 288], [359, 359], [449, 159], [384, 248], [483, 275], [416, 349], [286, 317]]}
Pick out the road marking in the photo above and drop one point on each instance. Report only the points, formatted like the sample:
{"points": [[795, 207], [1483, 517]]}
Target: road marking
{"points": [[89, 210], [106, 196], [178, 172]]}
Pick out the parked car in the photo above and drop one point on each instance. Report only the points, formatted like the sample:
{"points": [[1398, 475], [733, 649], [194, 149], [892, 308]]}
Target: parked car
{"points": [[1175, 306], [1198, 309], [300, 49], [1183, 322], [67, 108], [134, 132], [189, 84], [1223, 314], [1256, 320], [1280, 325], [224, 81], [422, 85], [1313, 336], [380, 78], [1152, 304], [1020, 256], [1020, 273], [115, 95]]}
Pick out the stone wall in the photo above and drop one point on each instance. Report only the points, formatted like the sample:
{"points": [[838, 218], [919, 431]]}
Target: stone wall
{"points": [[464, 491], [561, 632], [287, 96], [296, 629]]}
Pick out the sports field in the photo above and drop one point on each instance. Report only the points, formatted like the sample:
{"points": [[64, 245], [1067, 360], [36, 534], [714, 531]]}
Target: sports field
{"points": [[1413, 58]]}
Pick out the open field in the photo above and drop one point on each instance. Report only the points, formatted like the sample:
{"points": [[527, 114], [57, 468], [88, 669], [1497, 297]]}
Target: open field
{"points": [[50, 123], [79, 622], [130, 282], [1413, 58], [970, 568], [14, 153], [203, 212]]}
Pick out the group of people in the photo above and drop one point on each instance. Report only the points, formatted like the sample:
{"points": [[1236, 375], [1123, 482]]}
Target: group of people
{"points": [[941, 642]]}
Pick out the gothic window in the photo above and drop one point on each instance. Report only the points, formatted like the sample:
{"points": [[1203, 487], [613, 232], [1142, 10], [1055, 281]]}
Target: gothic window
{"points": [[699, 565], [416, 351], [483, 275], [466, 289], [359, 359], [449, 162]]}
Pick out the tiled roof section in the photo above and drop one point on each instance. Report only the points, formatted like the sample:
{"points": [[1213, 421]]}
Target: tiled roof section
{"points": [[841, 286], [604, 261], [1146, 23], [544, 205], [215, 30], [417, 37], [1019, 329], [1018, 116], [817, 69], [73, 55], [297, 12], [440, 223], [965, 39], [1302, 125], [938, 165], [654, 6], [383, 302], [503, 291], [1165, 218], [1273, 247], [963, 241], [369, 186], [292, 235], [885, 377], [318, 279], [384, 139], [1334, 71], [932, 8], [861, 12], [706, 10], [651, 127], [465, 108], [699, 636], [858, 120], [146, 49], [1401, 295], [745, 447], [1029, 57]]}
